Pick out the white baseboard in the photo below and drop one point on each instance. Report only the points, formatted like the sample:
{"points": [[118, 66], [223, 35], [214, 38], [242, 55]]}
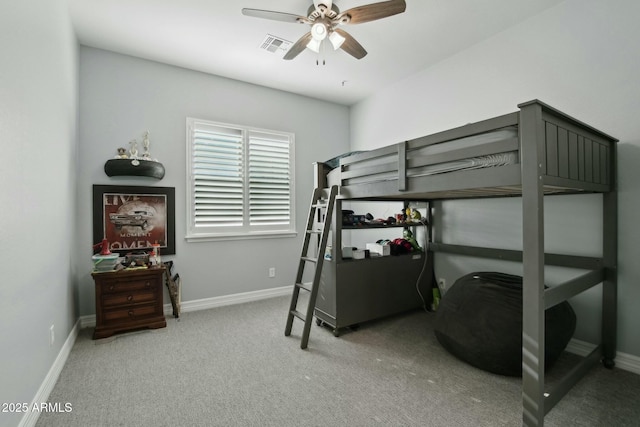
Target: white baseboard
{"points": [[207, 303], [625, 361], [31, 417]]}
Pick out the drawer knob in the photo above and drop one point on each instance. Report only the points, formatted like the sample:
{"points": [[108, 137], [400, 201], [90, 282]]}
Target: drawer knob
{"points": [[131, 313], [111, 287], [148, 284], [130, 298]]}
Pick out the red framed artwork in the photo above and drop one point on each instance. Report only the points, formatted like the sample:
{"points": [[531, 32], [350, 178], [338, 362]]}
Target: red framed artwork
{"points": [[133, 218]]}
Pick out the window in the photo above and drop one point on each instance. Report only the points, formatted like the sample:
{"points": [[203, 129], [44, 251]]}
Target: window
{"points": [[240, 181]]}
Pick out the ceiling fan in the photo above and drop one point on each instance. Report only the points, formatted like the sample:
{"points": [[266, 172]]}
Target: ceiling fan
{"points": [[325, 18]]}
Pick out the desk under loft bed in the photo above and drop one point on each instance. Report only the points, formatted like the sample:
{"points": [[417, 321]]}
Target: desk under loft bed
{"points": [[532, 153]]}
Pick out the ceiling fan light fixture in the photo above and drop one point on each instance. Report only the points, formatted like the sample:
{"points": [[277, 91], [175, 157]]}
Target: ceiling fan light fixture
{"points": [[319, 31], [324, 17], [314, 45], [336, 40]]}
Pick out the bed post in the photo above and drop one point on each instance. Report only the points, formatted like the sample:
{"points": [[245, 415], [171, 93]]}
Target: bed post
{"points": [[533, 310], [610, 261], [320, 175]]}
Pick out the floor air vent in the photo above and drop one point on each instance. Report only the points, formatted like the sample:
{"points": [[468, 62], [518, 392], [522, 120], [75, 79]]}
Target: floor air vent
{"points": [[275, 44]]}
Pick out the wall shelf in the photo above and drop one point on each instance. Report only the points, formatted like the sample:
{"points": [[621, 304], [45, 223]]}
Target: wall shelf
{"points": [[133, 167]]}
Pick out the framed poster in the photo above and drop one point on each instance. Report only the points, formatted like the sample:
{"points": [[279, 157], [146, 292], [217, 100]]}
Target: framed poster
{"points": [[133, 218]]}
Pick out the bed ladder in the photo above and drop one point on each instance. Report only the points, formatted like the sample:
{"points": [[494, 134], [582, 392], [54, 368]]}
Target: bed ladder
{"points": [[318, 202]]}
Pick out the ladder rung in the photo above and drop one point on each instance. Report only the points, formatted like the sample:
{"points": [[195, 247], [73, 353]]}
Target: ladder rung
{"points": [[314, 231], [306, 258], [298, 315], [305, 286]]}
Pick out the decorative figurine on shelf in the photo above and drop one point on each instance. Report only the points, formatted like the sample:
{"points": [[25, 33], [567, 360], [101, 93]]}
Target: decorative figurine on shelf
{"points": [[412, 215], [408, 236], [133, 163], [154, 257], [122, 153], [416, 216], [133, 151], [145, 145]]}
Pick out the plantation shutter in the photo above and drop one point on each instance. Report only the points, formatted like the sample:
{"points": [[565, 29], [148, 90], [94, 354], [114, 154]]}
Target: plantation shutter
{"points": [[240, 182], [218, 175], [269, 173]]}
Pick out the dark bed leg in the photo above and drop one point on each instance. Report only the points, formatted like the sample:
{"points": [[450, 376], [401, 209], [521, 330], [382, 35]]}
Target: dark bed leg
{"points": [[610, 256], [531, 132]]}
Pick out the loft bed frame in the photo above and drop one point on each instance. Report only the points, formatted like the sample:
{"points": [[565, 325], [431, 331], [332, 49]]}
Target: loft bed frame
{"points": [[554, 154]]}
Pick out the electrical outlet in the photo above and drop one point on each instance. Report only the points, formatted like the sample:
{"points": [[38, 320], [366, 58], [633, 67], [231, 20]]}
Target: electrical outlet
{"points": [[272, 272], [52, 335], [442, 284]]}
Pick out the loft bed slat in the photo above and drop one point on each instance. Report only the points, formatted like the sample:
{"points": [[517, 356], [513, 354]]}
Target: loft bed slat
{"points": [[557, 260], [464, 131], [416, 159], [369, 170], [573, 287], [402, 161], [425, 186], [368, 155]]}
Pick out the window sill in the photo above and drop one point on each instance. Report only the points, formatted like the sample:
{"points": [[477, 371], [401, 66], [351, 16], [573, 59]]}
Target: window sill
{"points": [[252, 236]]}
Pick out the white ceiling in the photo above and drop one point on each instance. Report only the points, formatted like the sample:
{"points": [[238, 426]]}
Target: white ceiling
{"points": [[214, 37]]}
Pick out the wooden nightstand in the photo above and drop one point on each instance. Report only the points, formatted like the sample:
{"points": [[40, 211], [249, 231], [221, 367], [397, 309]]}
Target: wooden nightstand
{"points": [[127, 300]]}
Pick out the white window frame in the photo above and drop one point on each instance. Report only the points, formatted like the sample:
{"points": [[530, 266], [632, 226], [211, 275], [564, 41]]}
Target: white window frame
{"points": [[246, 230]]}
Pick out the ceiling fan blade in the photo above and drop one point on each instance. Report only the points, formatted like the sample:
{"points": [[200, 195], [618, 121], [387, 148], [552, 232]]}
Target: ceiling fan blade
{"points": [[351, 45], [298, 46], [371, 12], [275, 16]]}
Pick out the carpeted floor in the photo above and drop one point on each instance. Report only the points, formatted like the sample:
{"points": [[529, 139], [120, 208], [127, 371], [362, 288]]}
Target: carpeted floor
{"points": [[233, 366]]}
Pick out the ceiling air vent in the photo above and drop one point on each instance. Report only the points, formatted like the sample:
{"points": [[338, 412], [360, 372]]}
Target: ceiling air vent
{"points": [[275, 44]]}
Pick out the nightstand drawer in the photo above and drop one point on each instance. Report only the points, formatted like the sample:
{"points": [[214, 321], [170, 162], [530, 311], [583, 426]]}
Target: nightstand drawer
{"points": [[128, 298], [131, 313], [123, 285]]}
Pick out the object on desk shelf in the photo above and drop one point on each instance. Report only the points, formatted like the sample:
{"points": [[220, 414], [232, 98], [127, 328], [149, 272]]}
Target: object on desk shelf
{"points": [[349, 218], [408, 236], [173, 285], [347, 252], [380, 249]]}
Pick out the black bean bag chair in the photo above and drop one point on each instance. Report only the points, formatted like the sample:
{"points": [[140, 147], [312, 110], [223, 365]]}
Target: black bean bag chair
{"points": [[479, 320]]}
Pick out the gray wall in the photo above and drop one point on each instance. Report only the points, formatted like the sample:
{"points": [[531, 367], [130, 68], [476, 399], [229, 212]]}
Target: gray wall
{"points": [[122, 96], [38, 108], [581, 57]]}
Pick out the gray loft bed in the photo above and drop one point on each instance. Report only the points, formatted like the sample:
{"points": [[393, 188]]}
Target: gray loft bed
{"points": [[531, 153]]}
